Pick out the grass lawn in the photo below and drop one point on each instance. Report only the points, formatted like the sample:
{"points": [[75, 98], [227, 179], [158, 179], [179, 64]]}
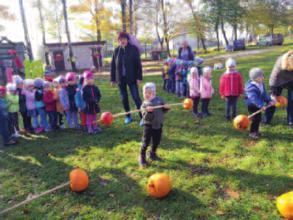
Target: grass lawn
{"points": [[217, 172]]}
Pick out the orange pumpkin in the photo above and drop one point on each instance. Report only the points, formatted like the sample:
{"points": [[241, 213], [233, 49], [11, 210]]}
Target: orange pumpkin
{"points": [[285, 205], [79, 180], [107, 118], [159, 185], [187, 103], [281, 101], [241, 122]]}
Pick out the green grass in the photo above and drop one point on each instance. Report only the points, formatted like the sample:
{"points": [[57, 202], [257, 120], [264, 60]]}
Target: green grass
{"points": [[217, 172]]}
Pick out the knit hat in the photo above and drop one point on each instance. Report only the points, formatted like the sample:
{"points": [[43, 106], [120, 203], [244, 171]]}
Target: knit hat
{"points": [[2, 90], [47, 84], [194, 70], [70, 76], [88, 74], [17, 79], [230, 63], [206, 70], [150, 86], [39, 83], [254, 73], [123, 35], [61, 79], [10, 87], [28, 82]]}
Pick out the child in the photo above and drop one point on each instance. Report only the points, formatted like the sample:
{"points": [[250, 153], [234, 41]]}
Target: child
{"points": [[152, 121], [178, 78], [184, 74], [40, 105], [171, 74], [59, 107], [29, 93], [4, 118], [194, 93], [50, 105], [71, 90], [91, 95], [231, 87], [63, 97], [206, 90], [255, 98], [13, 109], [22, 105], [165, 75], [80, 103]]}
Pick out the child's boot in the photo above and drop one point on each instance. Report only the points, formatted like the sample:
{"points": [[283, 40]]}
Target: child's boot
{"points": [[153, 155], [142, 160]]}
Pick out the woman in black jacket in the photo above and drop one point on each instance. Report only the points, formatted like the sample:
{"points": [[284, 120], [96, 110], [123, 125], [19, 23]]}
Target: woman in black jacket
{"points": [[126, 70]]}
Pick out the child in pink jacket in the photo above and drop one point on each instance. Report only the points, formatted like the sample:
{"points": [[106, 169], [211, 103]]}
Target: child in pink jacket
{"points": [[194, 86], [206, 90]]}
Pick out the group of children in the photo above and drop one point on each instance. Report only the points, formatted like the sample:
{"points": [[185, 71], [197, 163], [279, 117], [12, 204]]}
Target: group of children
{"points": [[197, 85], [43, 104]]}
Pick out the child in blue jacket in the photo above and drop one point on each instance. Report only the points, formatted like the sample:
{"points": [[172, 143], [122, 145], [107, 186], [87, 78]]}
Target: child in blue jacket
{"points": [[80, 103], [256, 98]]}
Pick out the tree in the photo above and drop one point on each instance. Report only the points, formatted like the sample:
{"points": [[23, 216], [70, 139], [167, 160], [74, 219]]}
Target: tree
{"points": [[5, 14], [25, 30], [131, 30], [100, 24], [123, 14], [198, 24], [39, 6], [71, 56]]}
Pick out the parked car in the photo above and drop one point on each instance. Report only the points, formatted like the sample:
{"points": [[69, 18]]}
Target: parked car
{"points": [[237, 45], [270, 40]]}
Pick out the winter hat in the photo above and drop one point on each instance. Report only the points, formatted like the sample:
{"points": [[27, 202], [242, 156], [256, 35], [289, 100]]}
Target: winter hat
{"points": [[39, 83], [28, 82], [70, 76], [61, 79], [123, 35], [10, 87], [194, 70], [88, 75], [230, 63], [2, 90], [150, 86], [254, 73], [17, 79], [206, 70], [47, 84]]}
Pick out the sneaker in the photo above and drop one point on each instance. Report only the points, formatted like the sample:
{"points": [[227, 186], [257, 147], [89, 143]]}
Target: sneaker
{"points": [[153, 156], [195, 114], [10, 142], [16, 134], [142, 161], [97, 130], [62, 126], [128, 120], [254, 135], [39, 130], [141, 123], [204, 115]]}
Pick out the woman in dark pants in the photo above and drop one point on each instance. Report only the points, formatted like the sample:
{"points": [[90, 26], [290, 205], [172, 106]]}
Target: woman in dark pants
{"points": [[282, 78], [126, 71]]}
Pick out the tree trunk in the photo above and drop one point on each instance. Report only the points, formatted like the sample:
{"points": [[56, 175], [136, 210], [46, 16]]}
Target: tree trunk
{"points": [[235, 31], [203, 44], [25, 30], [224, 33], [217, 33], [123, 14], [272, 30], [198, 42], [131, 30], [71, 56], [98, 30], [39, 6], [166, 37]]}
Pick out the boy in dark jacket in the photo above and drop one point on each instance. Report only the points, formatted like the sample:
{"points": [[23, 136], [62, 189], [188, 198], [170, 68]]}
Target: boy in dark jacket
{"points": [[152, 122], [71, 88], [92, 96], [256, 97]]}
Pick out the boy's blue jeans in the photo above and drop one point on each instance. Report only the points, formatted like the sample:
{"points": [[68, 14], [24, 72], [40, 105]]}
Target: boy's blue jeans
{"points": [[231, 104], [44, 123], [52, 119], [72, 119], [179, 88]]}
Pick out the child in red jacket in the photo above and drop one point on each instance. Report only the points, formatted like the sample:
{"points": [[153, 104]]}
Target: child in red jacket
{"points": [[49, 99], [231, 87]]}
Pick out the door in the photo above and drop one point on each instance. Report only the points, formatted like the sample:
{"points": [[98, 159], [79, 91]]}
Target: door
{"points": [[59, 60]]}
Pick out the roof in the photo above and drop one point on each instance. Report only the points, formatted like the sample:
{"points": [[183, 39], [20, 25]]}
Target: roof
{"points": [[76, 44]]}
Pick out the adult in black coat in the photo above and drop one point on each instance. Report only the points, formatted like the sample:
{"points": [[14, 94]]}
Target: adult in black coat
{"points": [[126, 71], [282, 78], [185, 52]]}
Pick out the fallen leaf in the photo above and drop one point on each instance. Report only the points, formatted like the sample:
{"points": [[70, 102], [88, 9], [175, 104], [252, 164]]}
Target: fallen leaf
{"points": [[233, 194]]}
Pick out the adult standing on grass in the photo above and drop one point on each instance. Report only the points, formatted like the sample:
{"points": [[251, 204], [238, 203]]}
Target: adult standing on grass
{"points": [[126, 70], [185, 52], [282, 78]]}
